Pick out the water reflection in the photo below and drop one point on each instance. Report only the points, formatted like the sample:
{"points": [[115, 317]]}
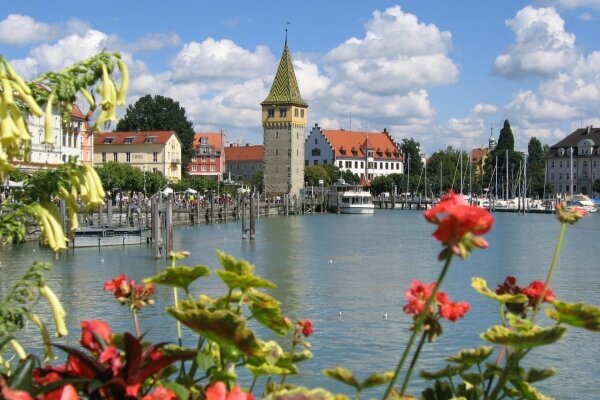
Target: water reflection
{"points": [[359, 266]]}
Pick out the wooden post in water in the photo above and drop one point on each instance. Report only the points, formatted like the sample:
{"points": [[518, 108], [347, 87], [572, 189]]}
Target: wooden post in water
{"points": [[169, 228], [212, 207], [156, 235], [109, 212], [243, 207], [339, 201], [252, 218]]}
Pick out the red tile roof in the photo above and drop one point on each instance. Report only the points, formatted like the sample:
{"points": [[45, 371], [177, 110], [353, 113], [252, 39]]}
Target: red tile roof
{"points": [[245, 153], [160, 137], [477, 155], [76, 112], [348, 144], [214, 139]]}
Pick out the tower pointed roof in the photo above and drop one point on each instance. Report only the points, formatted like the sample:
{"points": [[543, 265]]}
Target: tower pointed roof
{"points": [[285, 87]]}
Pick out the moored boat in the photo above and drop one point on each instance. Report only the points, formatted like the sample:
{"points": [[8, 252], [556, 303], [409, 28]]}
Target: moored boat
{"points": [[346, 198]]}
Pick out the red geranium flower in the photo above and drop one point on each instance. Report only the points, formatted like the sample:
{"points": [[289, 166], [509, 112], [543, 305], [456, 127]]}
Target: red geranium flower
{"points": [[417, 296], [111, 355], [307, 327], [451, 310], [218, 391], [90, 330], [160, 393], [459, 224], [127, 292], [534, 292]]}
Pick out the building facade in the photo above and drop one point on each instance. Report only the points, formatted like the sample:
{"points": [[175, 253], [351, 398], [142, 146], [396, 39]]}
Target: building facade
{"points": [[284, 115], [573, 164], [158, 151], [208, 159], [69, 141], [367, 154], [242, 163]]}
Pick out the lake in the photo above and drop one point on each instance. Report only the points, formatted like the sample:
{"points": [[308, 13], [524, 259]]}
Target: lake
{"points": [[361, 266]]}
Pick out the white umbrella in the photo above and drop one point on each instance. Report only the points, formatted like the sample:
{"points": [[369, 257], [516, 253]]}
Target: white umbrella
{"points": [[167, 191], [192, 191]]}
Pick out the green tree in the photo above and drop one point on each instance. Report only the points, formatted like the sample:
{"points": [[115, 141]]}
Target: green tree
{"points": [[535, 167], [412, 156], [596, 186], [506, 167], [162, 114], [314, 173], [447, 164], [383, 183]]}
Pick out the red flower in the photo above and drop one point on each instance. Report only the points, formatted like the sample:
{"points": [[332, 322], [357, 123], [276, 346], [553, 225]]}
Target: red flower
{"points": [[307, 327], [136, 296], [76, 366], [117, 285], [218, 391], [459, 223], [451, 310], [111, 355], [160, 393], [417, 296], [92, 329], [47, 377], [509, 286], [569, 215], [534, 292]]}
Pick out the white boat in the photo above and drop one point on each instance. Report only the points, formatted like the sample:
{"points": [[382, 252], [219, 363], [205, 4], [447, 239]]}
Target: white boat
{"points": [[346, 198], [582, 201]]}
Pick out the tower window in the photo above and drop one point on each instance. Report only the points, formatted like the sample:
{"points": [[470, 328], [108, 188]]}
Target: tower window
{"points": [[283, 112], [295, 112], [301, 113], [271, 112]]}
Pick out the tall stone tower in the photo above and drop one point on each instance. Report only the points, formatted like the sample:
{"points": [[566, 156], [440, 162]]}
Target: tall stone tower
{"points": [[284, 115]]}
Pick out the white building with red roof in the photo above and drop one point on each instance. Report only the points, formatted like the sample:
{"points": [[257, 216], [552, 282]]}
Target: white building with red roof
{"points": [[244, 162], [70, 140], [208, 159], [367, 154], [158, 151]]}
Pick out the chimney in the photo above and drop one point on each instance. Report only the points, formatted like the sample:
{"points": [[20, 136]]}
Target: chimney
{"points": [[589, 128]]}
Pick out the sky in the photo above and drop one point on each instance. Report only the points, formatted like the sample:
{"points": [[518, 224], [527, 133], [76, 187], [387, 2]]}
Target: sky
{"points": [[445, 73]]}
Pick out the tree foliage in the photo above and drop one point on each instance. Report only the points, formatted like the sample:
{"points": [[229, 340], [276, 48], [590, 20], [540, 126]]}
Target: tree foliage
{"points": [[412, 156], [444, 172], [124, 177], [535, 167], [162, 114]]}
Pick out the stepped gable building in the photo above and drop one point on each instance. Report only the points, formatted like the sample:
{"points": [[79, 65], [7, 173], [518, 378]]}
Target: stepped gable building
{"points": [[582, 149], [367, 154], [208, 159], [284, 115], [158, 151], [244, 162]]}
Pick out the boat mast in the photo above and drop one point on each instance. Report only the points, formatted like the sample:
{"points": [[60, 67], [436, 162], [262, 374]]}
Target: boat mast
{"points": [[571, 167], [461, 173], [441, 179], [506, 195], [496, 186]]}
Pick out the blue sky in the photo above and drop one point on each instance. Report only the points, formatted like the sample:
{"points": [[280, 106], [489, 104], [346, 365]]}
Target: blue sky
{"points": [[441, 72]]}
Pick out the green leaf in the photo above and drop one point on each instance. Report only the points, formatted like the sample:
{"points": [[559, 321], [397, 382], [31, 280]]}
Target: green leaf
{"points": [[179, 276], [472, 356], [244, 282], [343, 375], [204, 361], [528, 392], [266, 369], [536, 336], [222, 326], [450, 370], [232, 264], [22, 376], [180, 391], [301, 393], [537, 374], [377, 379], [266, 310], [480, 285], [579, 315], [273, 352], [520, 324]]}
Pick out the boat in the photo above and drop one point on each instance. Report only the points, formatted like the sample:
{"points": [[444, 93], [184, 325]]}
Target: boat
{"points": [[581, 201], [346, 198]]}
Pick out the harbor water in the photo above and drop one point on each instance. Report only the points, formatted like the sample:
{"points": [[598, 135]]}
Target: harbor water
{"points": [[344, 272]]}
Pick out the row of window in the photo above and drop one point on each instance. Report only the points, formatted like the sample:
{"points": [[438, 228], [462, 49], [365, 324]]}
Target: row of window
{"points": [[298, 112], [567, 188], [202, 158], [567, 164], [370, 165], [127, 157], [203, 168], [584, 176]]}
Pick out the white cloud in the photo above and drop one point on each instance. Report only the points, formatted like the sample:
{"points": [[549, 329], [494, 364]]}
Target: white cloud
{"points": [[484, 109], [586, 16], [221, 60], [19, 29], [397, 53], [542, 47], [153, 42]]}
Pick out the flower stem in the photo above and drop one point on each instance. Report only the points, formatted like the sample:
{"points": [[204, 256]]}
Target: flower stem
{"points": [[418, 325], [557, 249], [176, 301], [136, 322], [413, 362]]}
